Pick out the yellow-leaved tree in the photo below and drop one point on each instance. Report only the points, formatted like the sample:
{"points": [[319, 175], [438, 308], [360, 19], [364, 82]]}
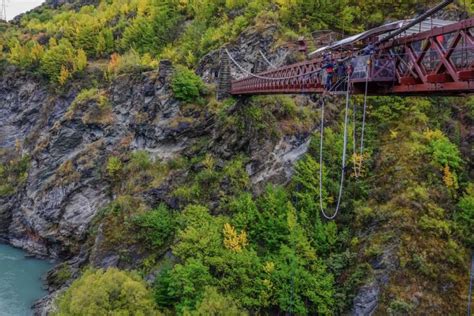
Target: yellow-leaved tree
{"points": [[233, 240]]}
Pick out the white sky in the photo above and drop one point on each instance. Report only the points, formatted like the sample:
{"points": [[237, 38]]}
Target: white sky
{"points": [[15, 7]]}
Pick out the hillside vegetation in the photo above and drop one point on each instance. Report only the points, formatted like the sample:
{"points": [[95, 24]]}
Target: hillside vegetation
{"points": [[57, 42], [406, 224]]}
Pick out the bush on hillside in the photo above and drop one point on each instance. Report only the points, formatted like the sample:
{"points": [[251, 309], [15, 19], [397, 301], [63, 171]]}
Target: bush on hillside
{"points": [[464, 217], [110, 292], [156, 227], [61, 61], [186, 85], [130, 62], [25, 56]]}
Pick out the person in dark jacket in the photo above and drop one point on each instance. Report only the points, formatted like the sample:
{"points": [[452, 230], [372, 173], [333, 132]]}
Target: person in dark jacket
{"points": [[341, 72], [369, 50], [329, 67]]}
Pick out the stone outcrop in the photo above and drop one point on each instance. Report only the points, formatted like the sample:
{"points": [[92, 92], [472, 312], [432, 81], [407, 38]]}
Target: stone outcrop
{"points": [[50, 215]]}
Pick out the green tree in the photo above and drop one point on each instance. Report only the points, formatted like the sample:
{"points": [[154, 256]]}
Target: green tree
{"points": [[302, 286], [25, 56], [271, 226], [105, 43], [87, 39], [62, 56], [186, 85], [156, 227], [200, 234], [109, 292], [215, 303], [464, 217], [183, 286], [149, 34]]}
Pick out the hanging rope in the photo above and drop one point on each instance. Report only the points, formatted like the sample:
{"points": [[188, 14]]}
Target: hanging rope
{"points": [[358, 157], [354, 151], [344, 150], [266, 60]]}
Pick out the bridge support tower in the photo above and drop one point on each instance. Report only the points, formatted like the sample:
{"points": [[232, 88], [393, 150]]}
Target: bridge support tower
{"points": [[224, 79]]}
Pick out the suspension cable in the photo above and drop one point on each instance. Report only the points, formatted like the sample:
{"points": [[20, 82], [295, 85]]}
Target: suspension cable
{"points": [[266, 60], [268, 78], [344, 149]]}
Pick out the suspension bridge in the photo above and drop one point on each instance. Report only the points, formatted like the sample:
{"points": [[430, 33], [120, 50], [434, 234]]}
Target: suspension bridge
{"points": [[421, 56], [411, 57]]}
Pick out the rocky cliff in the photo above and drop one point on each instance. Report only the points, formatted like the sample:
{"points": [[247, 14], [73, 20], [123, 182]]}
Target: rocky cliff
{"points": [[67, 141]]}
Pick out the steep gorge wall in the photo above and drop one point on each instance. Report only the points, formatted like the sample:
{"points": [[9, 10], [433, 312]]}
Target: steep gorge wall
{"points": [[68, 145]]}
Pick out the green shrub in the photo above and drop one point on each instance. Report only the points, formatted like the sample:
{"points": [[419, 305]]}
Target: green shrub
{"points": [[186, 85], [156, 227], [13, 175], [99, 110], [27, 55], [60, 275], [114, 166], [214, 303], [61, 61], [399, 307], [464, 217], [139, 161], [6, 189], [110, 292], [130, 62]]}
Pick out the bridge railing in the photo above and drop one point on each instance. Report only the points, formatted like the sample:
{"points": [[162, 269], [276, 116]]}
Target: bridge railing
{"points": [[373, 68], [302, 77]]}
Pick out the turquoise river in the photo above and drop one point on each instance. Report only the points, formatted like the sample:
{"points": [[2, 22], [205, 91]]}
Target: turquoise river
{"points": [[20, 281]]}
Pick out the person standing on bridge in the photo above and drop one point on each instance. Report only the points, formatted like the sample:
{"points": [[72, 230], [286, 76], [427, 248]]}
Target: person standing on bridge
{"points": [[329, 67], [341, 72], [369, 50]]}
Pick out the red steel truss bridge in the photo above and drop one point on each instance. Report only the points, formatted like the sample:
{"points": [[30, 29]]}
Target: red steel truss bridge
{"points": [[438, 61]]}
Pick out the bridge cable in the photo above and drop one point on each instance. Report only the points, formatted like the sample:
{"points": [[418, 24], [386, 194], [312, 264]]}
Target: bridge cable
{"points": [[344, 150], [267, 61], [268, 78]]}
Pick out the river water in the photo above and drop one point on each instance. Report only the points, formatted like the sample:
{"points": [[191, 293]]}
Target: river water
{"points": [[20, 281]]}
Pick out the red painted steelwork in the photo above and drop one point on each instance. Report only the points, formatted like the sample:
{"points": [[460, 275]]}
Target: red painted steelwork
{"points": [[439, 61]]}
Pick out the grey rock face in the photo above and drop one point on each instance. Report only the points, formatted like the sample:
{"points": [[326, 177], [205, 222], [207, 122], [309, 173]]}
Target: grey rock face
{"points": [[20, 97], [367, 297], [276, 166], [65, 188], [366, 300]]}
